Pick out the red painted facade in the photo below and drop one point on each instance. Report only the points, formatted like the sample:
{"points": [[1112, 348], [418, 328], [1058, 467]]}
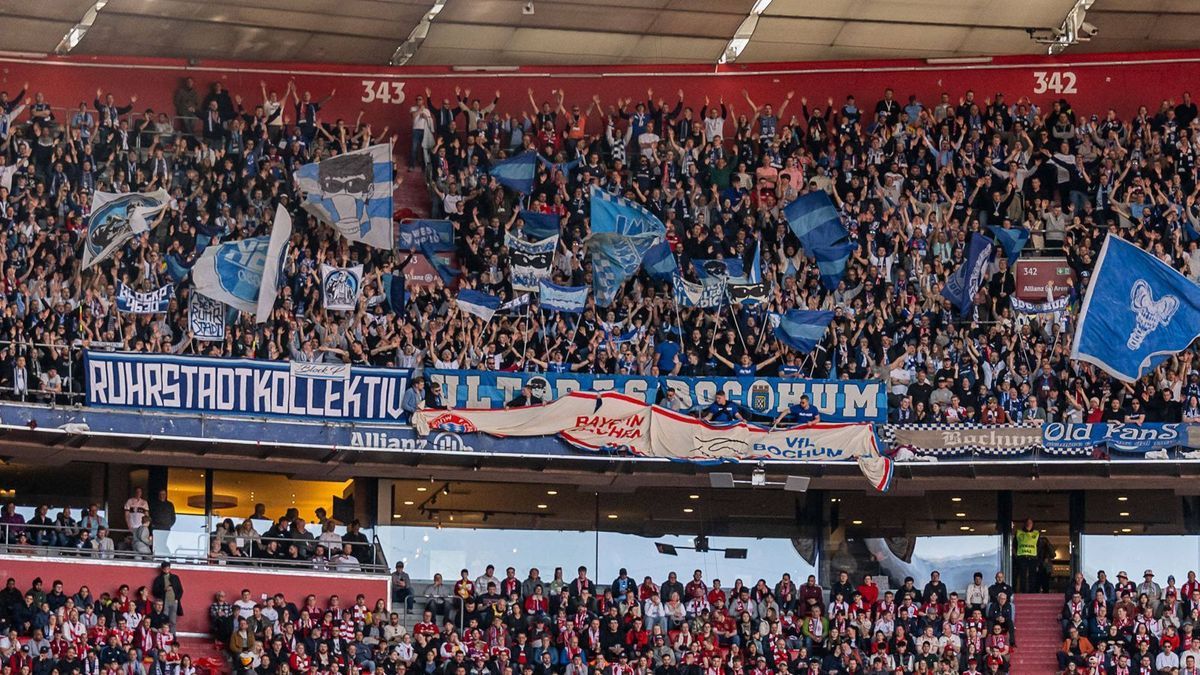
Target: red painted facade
{"points": [[200, 582], [1092, 82]]}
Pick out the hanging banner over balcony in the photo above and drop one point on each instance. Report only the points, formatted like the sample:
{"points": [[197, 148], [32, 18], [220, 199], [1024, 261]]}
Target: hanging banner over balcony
{"points": [[835, 400], [241, 387]]}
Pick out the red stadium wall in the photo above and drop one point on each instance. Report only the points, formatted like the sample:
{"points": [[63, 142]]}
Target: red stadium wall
{"points": [[199, 582], [1092, 82]]}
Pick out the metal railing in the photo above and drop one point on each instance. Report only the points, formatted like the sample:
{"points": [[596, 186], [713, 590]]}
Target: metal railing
{"points": [[138, 545], [69, 391]]}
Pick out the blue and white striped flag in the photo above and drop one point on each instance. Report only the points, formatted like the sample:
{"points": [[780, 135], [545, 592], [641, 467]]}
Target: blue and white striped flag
{"points": [[622, 233], [478, 303], [821, 232], [353, 193], [516, 173]]}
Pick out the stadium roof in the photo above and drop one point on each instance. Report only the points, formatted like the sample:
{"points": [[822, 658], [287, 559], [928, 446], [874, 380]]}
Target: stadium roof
{"points": [[582, 32]]}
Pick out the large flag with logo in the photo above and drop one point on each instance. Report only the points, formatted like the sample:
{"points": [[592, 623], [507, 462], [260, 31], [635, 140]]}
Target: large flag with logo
{"points": [[246, 274], [352, 192], [1137, 313], [517, 173], [417, 234], [706, 295], [614, 422], [341, 287], [622, 233], [962, 285], [821, 232], [118, 217], [529, 262]]}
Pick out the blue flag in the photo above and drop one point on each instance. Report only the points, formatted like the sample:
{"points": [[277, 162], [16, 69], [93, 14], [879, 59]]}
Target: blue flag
{"points": [[478, 303], [659, 262], [802, 329], [517, 173], [564, 167], [568, 299], [393, 289], [754, 274], [416, 233], [706, 295], [539, 226], [720, 269], [440, 265], [961, 286], [622, 233], [1012, 241], [822, 234], [1145, 312]]}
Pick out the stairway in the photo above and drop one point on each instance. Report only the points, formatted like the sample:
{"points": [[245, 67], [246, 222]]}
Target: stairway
{"points": [[1038, 634], [205, 650], [412, 197]]}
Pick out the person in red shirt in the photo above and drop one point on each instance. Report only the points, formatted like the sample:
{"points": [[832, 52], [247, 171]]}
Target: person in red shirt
{"points": [[716, 594], [869, 590], [993, 413]]}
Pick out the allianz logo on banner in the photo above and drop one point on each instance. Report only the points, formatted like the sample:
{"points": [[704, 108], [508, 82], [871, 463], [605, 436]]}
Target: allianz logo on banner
{"points": [[445, 441]]}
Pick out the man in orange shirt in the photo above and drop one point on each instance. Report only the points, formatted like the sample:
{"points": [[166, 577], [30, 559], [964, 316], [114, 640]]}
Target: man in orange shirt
{"points": [[1075, 649]]}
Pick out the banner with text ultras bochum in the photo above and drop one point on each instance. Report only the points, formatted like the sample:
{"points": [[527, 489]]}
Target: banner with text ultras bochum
{"points": [[837, 400], [243, 387]]}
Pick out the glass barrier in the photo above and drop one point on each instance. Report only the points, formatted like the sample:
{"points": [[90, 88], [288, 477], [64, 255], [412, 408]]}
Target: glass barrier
{"points": [[429, 550], [891, 560], [1164, 554]]}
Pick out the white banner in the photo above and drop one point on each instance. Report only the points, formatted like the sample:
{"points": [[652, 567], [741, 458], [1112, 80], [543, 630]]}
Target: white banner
{"points": [[206, 318], [611, 421], [321, 371], [341, 287]]}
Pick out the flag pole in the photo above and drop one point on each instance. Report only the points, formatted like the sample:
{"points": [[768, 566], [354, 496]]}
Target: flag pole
{"points": [[736, 325]]}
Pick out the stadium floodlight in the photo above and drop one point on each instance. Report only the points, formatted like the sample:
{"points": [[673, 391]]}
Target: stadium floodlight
{"points": [[759, 479], [721, 480], [75, 34], [700, 546], [737, 43], [797, 483]]}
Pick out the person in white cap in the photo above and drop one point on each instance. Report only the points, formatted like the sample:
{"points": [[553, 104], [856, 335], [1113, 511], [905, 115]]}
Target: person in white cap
{"points": [[1151, 589]]}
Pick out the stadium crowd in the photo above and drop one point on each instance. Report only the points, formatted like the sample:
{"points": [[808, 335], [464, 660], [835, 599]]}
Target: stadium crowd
{"points": [[911, 179]]}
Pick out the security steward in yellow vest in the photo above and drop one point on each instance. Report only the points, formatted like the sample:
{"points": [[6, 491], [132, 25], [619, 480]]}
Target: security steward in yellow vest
{"points": [[1025, 557]]}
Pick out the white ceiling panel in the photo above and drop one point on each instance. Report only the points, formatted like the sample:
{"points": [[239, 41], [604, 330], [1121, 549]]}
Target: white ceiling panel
{"points": [[482, 32]]}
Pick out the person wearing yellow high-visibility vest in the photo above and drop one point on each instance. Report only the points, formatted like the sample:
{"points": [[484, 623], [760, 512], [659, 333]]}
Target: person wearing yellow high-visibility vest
{"points": [[1025, 557]]}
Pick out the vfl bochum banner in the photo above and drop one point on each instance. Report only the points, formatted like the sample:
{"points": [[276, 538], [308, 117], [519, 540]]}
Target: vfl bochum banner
{"points": [[837, 400], [240, 387]]}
